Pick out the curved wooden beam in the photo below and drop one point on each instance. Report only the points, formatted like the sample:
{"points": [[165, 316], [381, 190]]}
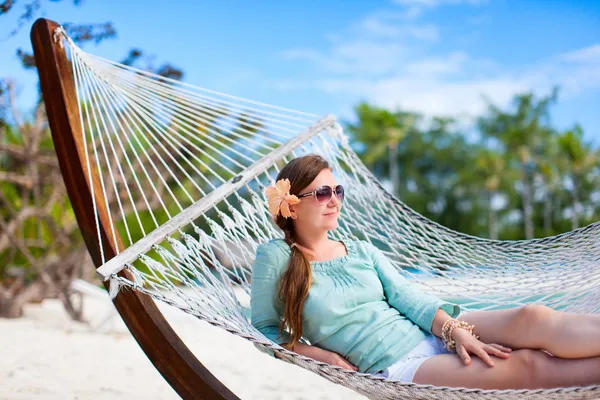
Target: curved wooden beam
{"points": [[177, 364]]}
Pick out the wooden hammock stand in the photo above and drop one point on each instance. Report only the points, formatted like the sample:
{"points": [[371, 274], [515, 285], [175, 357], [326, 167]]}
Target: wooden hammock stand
{"points": [[182, 370]]}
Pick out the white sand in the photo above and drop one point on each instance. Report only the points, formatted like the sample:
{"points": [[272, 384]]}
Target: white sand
{"points": [[44, 355]]}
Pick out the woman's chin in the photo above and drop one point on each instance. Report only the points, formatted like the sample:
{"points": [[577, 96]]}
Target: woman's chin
{"points": [[331, 225]]}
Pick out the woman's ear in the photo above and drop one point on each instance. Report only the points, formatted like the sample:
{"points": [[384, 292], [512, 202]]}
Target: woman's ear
{"points": [[293, 208]]}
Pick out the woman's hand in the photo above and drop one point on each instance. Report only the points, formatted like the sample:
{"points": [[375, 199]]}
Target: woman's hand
{"points": [[323, 355], [468, 344], [335, 359]]}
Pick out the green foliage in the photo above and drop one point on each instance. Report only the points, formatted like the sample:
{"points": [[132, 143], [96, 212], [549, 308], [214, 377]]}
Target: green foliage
{"points": [[521, 172], [40, 244], [38, 218], [470, 186]]}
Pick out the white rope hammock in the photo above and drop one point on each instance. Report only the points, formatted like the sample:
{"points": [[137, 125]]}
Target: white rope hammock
{"points": [[183, 170]]}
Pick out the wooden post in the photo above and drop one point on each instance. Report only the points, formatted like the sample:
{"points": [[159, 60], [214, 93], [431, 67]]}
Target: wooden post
{"points": [[188, 377]]}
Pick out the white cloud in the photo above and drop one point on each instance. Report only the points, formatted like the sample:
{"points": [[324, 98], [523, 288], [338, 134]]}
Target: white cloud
{"points": [[384, 60], [456, 84], [586, 55], [437, 97], [382, 27], [302, 54], [427, 93], [452, 64], [413, 9], [424, 32], [374, 45], [435, 3], [353, 57], [377, 27], [412, 13]]}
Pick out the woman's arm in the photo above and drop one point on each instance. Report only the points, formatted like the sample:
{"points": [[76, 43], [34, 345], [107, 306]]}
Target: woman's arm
{"points": [[439, 320], [322, 355], [266, 270], [468, 344], [265, 317], [418, 306]]}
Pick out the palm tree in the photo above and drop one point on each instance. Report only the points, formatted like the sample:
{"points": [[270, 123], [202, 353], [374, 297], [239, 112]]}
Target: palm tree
{"points": [[550, 168], [381, 131], [490, 166], [580, 161], [523, 133]]}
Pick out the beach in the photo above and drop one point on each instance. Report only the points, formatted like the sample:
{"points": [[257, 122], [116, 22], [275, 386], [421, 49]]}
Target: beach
{"points": [[46, 355]]}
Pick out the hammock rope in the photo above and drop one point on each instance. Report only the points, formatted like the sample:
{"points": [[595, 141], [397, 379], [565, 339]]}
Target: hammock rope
{"points": [[182, 171]]}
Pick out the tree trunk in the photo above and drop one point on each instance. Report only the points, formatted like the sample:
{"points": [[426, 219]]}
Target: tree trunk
{"points": [[394, 169], [527, 207], [493, 230], [574, 215], [74, 310], [11, 306], [548, 212]]}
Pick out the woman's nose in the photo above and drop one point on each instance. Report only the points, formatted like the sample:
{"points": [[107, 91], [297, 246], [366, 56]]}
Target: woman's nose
{"points": [[334, 201]]}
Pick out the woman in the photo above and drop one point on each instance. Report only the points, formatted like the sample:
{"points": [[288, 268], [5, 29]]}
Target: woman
{"points": [[359, 313]]}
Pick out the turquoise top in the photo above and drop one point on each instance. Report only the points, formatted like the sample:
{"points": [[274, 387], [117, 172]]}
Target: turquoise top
{"points": [[358, 305]]}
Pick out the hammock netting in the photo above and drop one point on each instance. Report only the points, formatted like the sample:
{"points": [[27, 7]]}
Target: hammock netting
{"points": [[183, 172]]}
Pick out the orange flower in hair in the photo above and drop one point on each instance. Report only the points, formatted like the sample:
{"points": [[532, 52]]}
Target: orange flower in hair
{"points": [[280, 199]]}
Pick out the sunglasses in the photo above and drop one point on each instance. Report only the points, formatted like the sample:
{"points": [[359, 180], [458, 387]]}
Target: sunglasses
{"points": [[324, 193]]}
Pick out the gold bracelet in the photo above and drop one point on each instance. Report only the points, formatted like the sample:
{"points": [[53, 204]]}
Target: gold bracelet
{"points": [[449, 326], [446, 328]]}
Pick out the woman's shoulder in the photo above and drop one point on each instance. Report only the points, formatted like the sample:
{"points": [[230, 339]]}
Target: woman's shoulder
{"points": [[364, 249], [279, 251], [274, 253], [276, 245], [282, 246], [361, 245]]}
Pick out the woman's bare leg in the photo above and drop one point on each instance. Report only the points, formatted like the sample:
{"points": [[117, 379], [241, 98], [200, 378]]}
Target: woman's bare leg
{"points": [[565, 335], [525, 369]]}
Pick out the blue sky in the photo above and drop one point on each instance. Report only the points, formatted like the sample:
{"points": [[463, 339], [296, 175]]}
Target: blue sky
{"points": [[438, 57]]}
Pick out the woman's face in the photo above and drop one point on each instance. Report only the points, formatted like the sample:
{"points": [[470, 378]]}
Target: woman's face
{"points": [[315, 215]]}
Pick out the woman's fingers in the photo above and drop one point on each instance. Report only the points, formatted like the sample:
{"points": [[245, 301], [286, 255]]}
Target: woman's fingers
{"points": [[336, 359], [351, 367], [491, 349], [500, 347], [346, 365], [482, 353], [462, 353], [481, 350]]}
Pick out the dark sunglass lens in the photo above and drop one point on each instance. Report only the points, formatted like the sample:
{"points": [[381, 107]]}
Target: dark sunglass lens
{"points": [[324, 194], [339, 192]]}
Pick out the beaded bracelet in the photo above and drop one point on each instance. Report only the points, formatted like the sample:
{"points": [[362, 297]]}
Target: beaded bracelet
{"points": [[449, 326]]}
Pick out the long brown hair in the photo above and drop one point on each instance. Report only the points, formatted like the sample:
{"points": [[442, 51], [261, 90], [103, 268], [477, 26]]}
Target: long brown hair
{"points": [[297, 278]]}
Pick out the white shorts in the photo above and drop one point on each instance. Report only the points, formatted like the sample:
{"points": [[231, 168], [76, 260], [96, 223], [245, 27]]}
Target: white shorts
{"points": [[404, 369]]}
